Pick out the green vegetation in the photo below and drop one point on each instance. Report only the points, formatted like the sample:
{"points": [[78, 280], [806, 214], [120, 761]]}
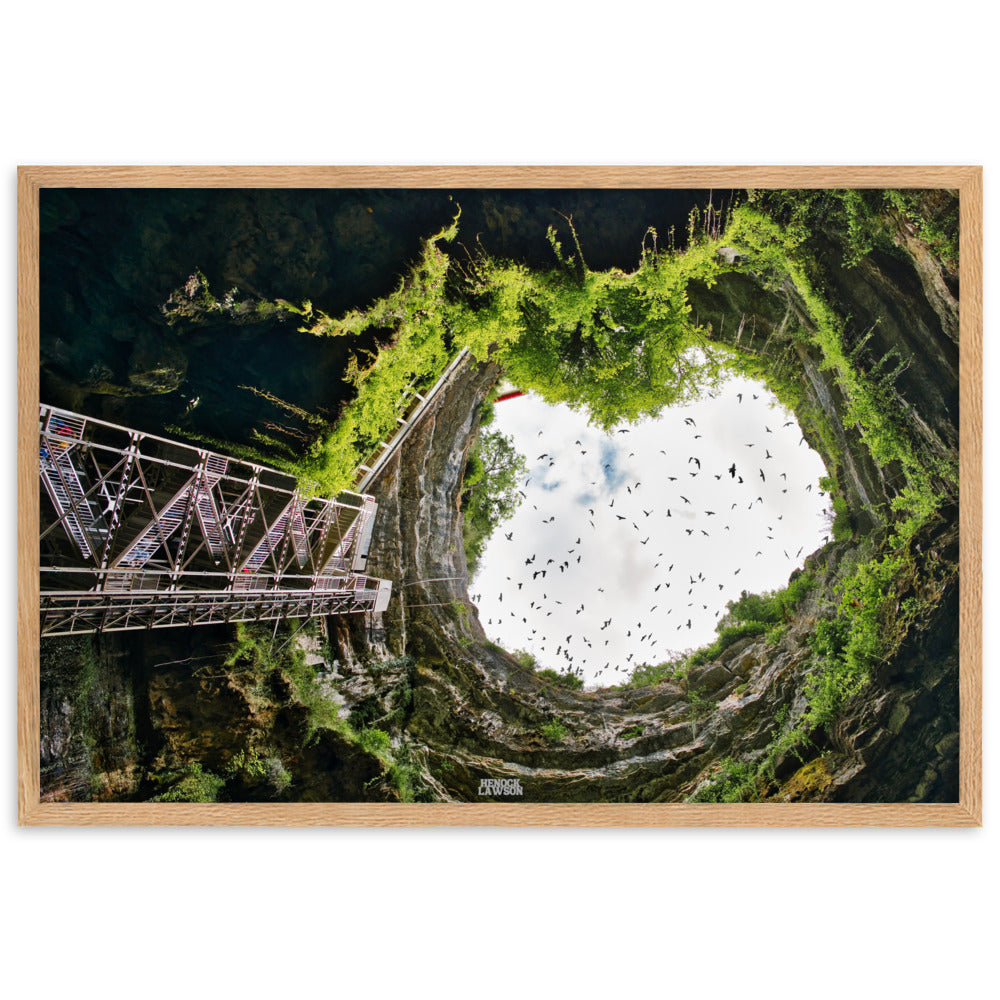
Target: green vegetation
{"points": [[253, 768], [572, 681], [375, 742], [567, 680], [737, 781], [415, 319], [192, 784], [623, 346], [673, 669], [554, 731], [489, 491]]}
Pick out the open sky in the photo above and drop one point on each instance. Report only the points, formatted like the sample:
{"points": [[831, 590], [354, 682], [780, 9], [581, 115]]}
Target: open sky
{"points": [[625, 549]]}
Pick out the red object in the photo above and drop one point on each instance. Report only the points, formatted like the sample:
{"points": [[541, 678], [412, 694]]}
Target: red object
{"points": [[509, 395]]}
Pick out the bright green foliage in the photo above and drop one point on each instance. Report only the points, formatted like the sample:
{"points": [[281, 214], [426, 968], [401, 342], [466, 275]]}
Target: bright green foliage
{"points": [[674, 669], [772, 606], [254, 768], [530, 662], [374, 741], [527, 660], [737, 782], [554, 731], [727, 636], [841, 520], [572, 681], [406, 777], [619, 346], [416, 313], [870, 623], [193, 784], [249, 763], [489, 491]]}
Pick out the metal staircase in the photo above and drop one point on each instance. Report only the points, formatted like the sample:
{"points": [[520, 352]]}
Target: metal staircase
{"points": [[138, 531]]}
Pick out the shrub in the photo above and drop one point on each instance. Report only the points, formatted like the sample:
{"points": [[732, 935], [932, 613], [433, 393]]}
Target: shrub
{"points": [[193, 784], [278, 776], [737, 782], [249, 764], [554, 731], [490, 496], [841, 520], [572, 681], [526, 659], [374, 741]]}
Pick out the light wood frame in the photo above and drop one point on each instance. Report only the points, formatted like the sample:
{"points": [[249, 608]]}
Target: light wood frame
{"points": [[967, 180]]}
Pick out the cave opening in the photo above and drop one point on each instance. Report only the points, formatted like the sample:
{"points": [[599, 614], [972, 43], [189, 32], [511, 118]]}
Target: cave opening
{"points": [[627, 545]]}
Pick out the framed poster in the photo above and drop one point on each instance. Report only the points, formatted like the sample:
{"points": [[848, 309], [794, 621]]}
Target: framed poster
{"points": [[481, 496]]}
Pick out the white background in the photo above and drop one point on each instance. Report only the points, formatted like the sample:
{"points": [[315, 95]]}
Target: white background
{"points": [[817, 913]]}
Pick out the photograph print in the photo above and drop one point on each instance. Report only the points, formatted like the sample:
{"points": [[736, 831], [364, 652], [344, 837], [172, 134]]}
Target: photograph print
{"points": [[511, 495]]}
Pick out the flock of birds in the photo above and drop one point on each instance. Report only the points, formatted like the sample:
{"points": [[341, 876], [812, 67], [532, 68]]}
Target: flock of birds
{"points": [[614, 563]]}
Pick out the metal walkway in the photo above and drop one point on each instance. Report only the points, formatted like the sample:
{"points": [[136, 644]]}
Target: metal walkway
{"points": [[138, 531]]}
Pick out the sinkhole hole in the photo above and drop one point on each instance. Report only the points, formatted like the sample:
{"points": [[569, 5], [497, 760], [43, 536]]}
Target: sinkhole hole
{"points": [[626, 546]]}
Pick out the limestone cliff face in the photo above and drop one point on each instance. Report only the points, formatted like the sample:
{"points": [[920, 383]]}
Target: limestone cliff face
{"points": [[475, 713]]}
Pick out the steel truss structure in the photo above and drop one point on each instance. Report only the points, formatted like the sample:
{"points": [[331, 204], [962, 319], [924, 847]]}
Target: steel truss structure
{"points": [[138, 531]]}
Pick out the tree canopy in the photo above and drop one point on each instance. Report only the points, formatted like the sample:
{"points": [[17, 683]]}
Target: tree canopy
{"points": [[489, 491]]}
